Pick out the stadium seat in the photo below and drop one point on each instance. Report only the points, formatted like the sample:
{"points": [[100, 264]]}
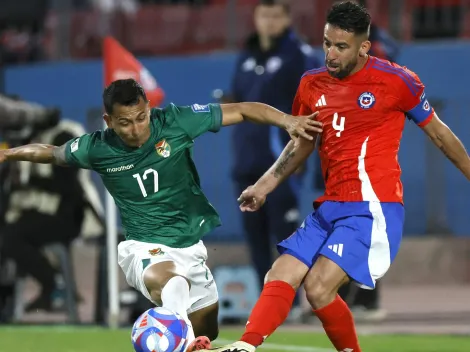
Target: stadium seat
{"points": [[244, 21], [449, 19], [157, 30], [208, 29], [465, 32], [239, 2], [302, 14], [85, 37]]}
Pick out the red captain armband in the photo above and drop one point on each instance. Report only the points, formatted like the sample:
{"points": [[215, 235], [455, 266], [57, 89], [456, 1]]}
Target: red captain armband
{"points": [[422, 113]]}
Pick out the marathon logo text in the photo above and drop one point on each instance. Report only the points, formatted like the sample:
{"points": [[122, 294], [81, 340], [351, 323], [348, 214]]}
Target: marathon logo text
{"points": [[120, 168]]}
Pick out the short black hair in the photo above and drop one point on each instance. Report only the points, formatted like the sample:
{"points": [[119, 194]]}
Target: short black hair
{"points": [[125, 92], [350, 17], [285, 5]]}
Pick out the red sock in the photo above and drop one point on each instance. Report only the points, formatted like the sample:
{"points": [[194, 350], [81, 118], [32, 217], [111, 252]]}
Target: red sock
{"points": [[269, 312], [338, 323]]}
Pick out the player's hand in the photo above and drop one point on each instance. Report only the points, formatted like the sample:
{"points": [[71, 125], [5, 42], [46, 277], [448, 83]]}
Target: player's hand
{"points": [[251, 199], [303, 126]]}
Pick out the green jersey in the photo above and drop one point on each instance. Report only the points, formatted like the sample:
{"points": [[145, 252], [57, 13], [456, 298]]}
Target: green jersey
{"points": [[156, 187]]}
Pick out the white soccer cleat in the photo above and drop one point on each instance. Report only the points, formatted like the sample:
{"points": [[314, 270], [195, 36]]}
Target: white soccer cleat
{"points": [[238, 346]]}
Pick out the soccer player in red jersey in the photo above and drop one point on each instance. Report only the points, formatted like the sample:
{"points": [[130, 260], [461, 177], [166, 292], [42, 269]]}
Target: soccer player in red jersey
{"points": [[355, 230]]}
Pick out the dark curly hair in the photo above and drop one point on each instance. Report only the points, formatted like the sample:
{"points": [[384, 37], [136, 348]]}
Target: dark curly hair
{"points": [[125, 92], [350, 17]]}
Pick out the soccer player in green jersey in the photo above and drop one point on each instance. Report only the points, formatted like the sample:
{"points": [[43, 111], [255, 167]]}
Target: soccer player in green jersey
{"points": [[144, 159]]}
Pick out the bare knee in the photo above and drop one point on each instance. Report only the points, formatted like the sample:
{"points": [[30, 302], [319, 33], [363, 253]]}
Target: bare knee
{"points": [[319, 293], [157, 276], [323, 282], [288, 269]]}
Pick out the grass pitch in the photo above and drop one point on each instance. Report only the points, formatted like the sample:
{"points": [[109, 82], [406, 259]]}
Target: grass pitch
{"points": [[84, 339]]}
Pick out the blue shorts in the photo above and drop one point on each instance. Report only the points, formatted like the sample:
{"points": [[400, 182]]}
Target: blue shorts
{"points": [[361, 237]]}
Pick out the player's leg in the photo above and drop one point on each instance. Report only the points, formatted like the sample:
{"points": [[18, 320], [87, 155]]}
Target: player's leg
{"points": [[153, 270], [206, 327], [169, 289], [321, 285], [205, 321], [298, 252], [363, 243], [204, 298], [276, 299]]}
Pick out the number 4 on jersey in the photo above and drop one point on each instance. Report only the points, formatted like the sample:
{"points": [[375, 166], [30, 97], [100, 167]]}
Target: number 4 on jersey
{"points": [[338, 126], [140, 181]]}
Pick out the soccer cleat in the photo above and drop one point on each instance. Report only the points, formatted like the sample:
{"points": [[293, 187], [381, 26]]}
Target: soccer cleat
{"points": [[238, 346], [199, 343]]}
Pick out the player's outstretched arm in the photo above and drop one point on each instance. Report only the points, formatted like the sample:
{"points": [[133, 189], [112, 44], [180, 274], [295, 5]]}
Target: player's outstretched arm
{"points": [[291, 158], [266, 114], [35, 153], [447, 141]]}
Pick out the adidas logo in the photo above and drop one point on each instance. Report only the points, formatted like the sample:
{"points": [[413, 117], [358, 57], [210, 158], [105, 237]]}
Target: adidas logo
{"points": [[321, 101], [144, 322], [337, 248]]}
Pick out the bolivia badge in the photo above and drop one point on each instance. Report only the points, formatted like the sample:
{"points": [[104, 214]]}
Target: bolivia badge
{"points": [[163, 148]]}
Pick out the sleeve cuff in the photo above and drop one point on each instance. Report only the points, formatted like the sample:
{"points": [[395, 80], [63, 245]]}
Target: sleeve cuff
{"points": [[216, 117], [68, 154]]}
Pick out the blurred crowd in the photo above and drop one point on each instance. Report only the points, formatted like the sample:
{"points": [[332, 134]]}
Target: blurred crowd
{"points": [[33, 30], [40, 205]]}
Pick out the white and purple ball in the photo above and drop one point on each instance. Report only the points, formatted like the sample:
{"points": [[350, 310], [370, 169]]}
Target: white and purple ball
{"points": [[159, 330]]}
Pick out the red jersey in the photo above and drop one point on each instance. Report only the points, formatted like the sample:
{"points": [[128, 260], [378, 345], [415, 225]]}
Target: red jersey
{"points": [[363, 117]]}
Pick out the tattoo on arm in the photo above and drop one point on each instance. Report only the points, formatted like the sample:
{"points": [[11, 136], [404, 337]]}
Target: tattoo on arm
{"points": [[59, 155], [282, 164]]}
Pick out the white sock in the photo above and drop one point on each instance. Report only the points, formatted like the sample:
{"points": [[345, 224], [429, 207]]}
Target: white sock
{"points": [[175, 296]]}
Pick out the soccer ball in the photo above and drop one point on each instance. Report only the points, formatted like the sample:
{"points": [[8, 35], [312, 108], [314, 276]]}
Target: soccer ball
{"points": [[159, 330]]}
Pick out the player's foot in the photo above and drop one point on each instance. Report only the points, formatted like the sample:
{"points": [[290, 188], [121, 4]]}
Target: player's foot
{"points": [[199, 343], [238, 346]]}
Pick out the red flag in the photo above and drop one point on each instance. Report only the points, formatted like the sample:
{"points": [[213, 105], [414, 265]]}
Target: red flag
{"points": [[121, 64]]}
